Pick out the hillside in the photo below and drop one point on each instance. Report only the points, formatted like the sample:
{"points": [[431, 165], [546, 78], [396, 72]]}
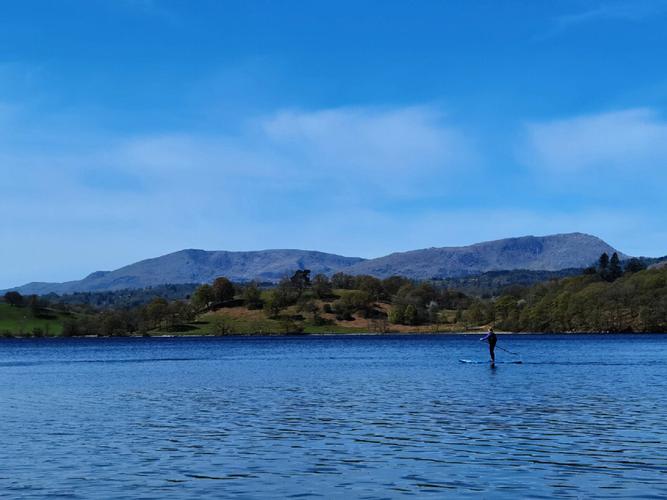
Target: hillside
{"points": [[24, 321], [534, 253], [636, 302], [661, 264], [199, 266]]}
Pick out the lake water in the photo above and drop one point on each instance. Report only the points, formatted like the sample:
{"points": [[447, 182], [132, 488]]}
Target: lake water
{"points": [[334, 417]]}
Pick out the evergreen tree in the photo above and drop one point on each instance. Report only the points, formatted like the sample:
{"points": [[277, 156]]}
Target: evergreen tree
{"points": [[603, 263], [615, 270], [603, 266]]}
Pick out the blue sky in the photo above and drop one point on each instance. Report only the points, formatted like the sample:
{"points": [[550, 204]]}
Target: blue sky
{"points": [[132, 128]]}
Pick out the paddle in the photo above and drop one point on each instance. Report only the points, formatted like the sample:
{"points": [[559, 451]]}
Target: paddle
{"points": [[502, 349]]}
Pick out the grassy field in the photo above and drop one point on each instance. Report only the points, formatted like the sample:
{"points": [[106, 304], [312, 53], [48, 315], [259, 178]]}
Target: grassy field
{"points": [[21, 321]]}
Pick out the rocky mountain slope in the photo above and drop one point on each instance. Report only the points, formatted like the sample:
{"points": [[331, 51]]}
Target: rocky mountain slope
{"points": [[535, 253]]}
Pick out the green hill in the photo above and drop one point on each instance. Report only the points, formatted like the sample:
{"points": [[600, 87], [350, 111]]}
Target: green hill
{"points": [[24, 321]]}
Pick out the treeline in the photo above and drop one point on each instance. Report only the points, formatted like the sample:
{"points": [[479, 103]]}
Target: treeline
{"points": [[123, 299], [131, 316], [496, 283], [606, 298], [159, 314]]}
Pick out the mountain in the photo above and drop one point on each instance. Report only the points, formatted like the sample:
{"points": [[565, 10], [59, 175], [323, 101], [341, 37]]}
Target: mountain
{"points": [[535, 253], [200, 266]]}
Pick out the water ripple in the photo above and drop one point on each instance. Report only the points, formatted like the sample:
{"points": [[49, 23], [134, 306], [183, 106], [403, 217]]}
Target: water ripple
{"points": [[359, 418]]}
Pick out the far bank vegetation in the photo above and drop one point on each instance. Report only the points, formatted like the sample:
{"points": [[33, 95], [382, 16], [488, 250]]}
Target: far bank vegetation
{"points": [[610, 296]]}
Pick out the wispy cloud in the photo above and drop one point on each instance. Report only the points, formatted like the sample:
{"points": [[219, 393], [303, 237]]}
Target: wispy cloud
{"points": [[357, 153], [629, 10], [633, 140], [620, 10]]}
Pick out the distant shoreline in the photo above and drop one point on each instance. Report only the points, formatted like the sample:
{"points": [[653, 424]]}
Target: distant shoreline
{"points": [[333, 334]]}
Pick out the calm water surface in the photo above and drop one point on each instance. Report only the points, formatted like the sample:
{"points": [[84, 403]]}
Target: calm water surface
{"points": [[334, 417]]}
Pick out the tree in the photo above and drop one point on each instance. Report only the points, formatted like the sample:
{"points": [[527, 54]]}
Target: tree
{"points": [[603, 263], [286, 293], [252, 296], [308, 306], [157, 311], [410, 315], [634, 265], [71, 328], [342, 281], [178, 312], [322, 287], [397, 315], [223, 290], [112, 324], [353, 302], [33, 303], [505, 307], [475, 313], [278, 299], [590, 270], [14, 299], [370, 285], [615, 270], [393, 284], [203, 297], [221, 325], [300, 280]]}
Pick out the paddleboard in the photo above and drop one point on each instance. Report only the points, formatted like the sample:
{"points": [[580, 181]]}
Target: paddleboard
{"points": [[474, 362]]}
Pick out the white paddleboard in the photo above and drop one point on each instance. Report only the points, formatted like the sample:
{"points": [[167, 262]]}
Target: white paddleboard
{"points": [[474, 362]]}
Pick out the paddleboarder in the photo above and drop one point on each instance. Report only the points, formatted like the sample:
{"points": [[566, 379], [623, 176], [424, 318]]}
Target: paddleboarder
{"points": [[491, 339]]}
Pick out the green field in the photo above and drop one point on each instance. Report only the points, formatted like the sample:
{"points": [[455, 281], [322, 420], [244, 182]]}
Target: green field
{"points": [[21, 321]]}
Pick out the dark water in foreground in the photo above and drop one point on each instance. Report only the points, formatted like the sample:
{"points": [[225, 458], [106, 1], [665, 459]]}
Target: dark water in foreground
{"points": [[333, 417]]}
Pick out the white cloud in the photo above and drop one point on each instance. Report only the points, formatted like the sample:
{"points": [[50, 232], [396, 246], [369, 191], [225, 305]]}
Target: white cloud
{"points": [[378, 140], [357, 153], [628, 141], [269, 184]]}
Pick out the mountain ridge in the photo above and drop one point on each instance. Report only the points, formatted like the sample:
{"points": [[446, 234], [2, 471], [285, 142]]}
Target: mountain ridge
{"points": [[533, 253], [544, 253]]}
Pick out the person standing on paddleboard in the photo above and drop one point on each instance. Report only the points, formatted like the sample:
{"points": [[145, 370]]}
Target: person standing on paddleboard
{"points": [[491, 339]]}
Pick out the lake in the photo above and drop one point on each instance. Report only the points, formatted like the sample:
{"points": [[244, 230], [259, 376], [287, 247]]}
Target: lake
{"points": [[584, 416]]}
